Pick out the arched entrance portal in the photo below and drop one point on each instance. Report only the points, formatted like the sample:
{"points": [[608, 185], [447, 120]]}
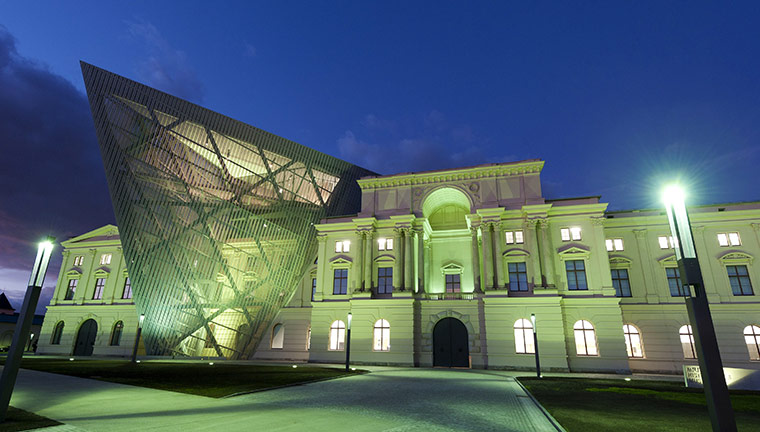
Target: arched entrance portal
{"points": [[86, 338], [450, 346]]}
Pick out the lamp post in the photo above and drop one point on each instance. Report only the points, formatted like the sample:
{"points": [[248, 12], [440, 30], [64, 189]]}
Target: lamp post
{"points": [[24, 324], [348, 340], [535, 345], [708, 355], [137, 338]]}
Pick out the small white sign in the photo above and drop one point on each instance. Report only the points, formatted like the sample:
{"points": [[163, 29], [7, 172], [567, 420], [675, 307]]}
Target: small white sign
{"points": [[736, 378]]}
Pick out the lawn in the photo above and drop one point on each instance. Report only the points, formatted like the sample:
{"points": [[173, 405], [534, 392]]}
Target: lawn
{"points": [[600, 405], [198, 378], [20, 420]]}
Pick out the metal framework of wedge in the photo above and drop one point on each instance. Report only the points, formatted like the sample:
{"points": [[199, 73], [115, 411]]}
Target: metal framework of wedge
{"points": [[216, 216]]}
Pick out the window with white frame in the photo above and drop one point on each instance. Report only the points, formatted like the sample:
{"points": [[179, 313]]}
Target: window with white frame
{"points": [[633, 341], [729, 239], [342, 246], [752, 339], [385, 244], [100, 283], [382, 336], [576, 275], [71, 289], [615, 244], [621, 283], [385, 280], [105, 259], [667, 242], [337, 335], [524, 337], [514, 237], [278, 336], [687, 342], [453, 283], [571, 233], [340, 281], [518, 276], [585, 339], [738, 278], [79, 260], [677, 288], [127, 292]]}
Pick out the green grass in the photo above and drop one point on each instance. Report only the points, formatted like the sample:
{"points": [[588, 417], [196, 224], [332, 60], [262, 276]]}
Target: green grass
{"points": [[20, 420], [198, 378], [617, 405]]}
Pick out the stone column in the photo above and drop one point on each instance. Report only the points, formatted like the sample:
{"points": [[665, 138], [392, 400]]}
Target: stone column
{"points": [[408, 260], [369, 247], [547, 257], [63, 282], [420, 261], [498, 250], [398, 277], [426, 266], [487, 244], [321, 265], [357, 279], [530, 231], [475, 259]]}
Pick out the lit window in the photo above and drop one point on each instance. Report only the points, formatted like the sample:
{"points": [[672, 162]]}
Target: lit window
{"points": [[575, 233], [585, 339], [633, 341], [116, 333], [308, 338], [278, 336], [100, 283], [752, 338], [610, 245], [618, 244], [729, 239], [576, 275], [313, 288], [565, 234], [738, 277], [687, 342], [384, 244], [667, 242], [127, 292], [621, 283], [342, 246], [337, 335], [385, 280], [614, 244], [78, 260], [71, 289], [340, 281], [518, 277], [677, 288], [722, 239], [57, 333], [514, 237], [382, 336], [452, 283], [105, 259], [524, 337]]}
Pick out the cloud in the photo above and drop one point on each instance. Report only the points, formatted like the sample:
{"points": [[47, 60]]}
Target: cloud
{"points": [[166, 68]]}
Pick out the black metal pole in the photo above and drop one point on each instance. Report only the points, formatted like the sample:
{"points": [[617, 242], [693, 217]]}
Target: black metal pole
{"points": [[535, 346], [348, 346], [137, 342]]}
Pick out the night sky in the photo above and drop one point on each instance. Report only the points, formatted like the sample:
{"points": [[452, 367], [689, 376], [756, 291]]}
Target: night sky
{"points": [[616, 97]]}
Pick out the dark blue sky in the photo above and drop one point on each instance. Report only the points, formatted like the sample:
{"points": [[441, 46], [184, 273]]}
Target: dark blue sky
{"points": [[617, 97]]}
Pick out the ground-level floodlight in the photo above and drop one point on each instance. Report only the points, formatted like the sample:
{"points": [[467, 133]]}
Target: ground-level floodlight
{"points": [[535, 345], [348, 340], [24, 324], [697, 306], [137, 338]]}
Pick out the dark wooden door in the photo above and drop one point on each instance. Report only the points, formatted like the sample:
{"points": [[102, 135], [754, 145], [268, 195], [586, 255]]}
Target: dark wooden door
{"points": [[450, 346], [86, 338]]}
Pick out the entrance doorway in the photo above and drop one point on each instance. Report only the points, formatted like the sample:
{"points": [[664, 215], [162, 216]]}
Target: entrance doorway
{"points": [[86, 338], [450, 345]]}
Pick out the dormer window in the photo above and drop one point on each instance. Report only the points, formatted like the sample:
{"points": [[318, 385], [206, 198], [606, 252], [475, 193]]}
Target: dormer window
{"points": [[571, 233], [514, 237], [105, 259], [342, 246], [384, 244]]}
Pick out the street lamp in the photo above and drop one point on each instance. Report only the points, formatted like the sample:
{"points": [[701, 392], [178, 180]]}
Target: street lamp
{"points": [[24, 324], [137, 338], [535, 345], [348, 340], [708, 355]]}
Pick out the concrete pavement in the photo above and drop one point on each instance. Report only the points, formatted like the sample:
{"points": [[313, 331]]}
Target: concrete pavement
{"points": [[388, 399]]}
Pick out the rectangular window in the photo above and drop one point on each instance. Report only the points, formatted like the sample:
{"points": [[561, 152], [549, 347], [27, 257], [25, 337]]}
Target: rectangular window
{"points": [[453, 283], [127, 293], [572, 233], [729, 239], [518, 277], [340, 281], [384, 244], [677, 289], [514, 237], [510, 237], [614, 244], [71, 289], [313, 288], [385, 280], [575, 233], [621, 283], [738, 276], [100, 283], [667, 242], [565, 234], [105, 259], [342, 246], [576, 275], [79, 260]]}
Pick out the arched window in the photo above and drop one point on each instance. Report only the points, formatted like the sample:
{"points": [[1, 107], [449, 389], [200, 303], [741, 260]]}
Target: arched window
{"points": [[524, 337], [278, 336], [116, 333], [308, 338], [382, 336], [585, 339], [57, 333], [337, 335], [752, 338], [633, 341], [687, 342]]}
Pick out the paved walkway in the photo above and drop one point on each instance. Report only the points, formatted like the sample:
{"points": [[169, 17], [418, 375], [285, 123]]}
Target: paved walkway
{"points": [[388, 399]]}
